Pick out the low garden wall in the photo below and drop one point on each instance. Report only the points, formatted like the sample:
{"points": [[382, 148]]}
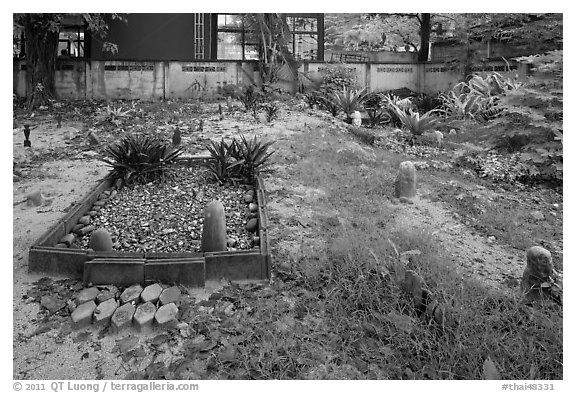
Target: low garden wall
{"points": [[87, 79]]}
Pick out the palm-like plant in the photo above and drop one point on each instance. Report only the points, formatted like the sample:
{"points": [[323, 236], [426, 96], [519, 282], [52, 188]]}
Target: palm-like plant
{"points": [[139, 158], [348, 100], [253, 154], [223, 166], [416, 124]]}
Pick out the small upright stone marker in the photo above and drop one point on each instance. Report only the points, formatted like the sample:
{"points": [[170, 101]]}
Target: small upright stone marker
{"points": [[100, 240], [122, 317], [538, 270], [406, 181], [214, 229], [131, 294], [151, 293], [82, 315]]}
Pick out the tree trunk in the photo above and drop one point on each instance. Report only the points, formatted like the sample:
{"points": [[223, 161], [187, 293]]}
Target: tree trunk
{"points": [[425, 28], [41, 47]]}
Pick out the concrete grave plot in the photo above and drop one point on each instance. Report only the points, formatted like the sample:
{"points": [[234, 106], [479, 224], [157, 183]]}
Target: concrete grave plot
{"points": [[52, 253]]}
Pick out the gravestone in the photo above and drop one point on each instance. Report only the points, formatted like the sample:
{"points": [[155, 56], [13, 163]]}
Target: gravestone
{"points": [[538, 274], [214, 228], [406, 181]]}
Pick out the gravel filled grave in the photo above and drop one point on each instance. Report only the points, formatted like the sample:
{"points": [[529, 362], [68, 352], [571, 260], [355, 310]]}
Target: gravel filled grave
{"points": [[168, 216]]}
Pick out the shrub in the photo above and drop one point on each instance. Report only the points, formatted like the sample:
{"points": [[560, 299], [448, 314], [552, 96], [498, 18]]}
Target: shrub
{"points": [[425, 102], [348, 100], [329, 105], [139, 158], [336, 77], [271, 111], [416, 124], [222, 164], [252, 154]]}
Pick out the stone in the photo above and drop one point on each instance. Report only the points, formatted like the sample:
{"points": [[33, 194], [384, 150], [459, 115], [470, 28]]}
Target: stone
{"points": [[176, 137], [452, 132], [413, 284], [232, 243], [249, 196], [131, 294], [122, 317], [252, 225], [255, 241], [85, 230], [35, 199], [68, 239], [61, 245], [76, 228], [103, 313], [92, 213], [93, 139], [151, 293], [109, 292], [170, 295], [253, 207], [406, 181], [144, 317], [52, 303], [538, 216], [539, 269], [100, 203], [214, 228], [82, 315], [356, 118], [87, 295], [84, 220], [439, 136], [166, 315], [100, 240], [252, 215]]}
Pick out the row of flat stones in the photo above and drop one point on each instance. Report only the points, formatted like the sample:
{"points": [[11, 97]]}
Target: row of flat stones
{"points": [[83, 226], [141, 308]]}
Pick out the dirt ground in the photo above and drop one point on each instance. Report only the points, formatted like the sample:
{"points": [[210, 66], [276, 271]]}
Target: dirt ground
{"points": [[78, 355]]}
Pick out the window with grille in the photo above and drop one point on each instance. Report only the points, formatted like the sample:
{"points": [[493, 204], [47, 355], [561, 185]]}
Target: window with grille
{"points": [[199, 36]]}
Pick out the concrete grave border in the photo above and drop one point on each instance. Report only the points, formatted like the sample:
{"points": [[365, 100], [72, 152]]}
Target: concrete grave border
{"points": [[127, 268]]}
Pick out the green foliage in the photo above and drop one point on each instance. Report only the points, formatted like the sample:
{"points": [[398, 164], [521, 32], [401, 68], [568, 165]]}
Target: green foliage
{"points": [[336, 77], [250, 98], [140, 159], [426, 103], [328, 104], [222, 165], [348, 100], [416, 124], [253, 155], [271, 111], [239, 159], [537, 109], [391, 103]]}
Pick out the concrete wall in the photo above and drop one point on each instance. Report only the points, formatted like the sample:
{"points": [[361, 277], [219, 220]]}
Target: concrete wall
{"points": [[176, 79]]}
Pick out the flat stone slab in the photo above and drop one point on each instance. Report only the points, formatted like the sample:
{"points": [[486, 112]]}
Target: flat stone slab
{"points": [[170, 295], [151, 293], [122, 317], [144, 316], [166, 315], [82, 315], [87, 295], [103, 313], [131, 294], [109, 292]]}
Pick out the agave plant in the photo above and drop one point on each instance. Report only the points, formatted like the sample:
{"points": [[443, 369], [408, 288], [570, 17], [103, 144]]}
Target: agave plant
{"points": [[416, 124], [348, 100], [253, 154], [329, 105], [223, 166], [139, 158]]}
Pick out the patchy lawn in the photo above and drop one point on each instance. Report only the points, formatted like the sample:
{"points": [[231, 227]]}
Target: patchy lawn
{"points": [[333, 309]]}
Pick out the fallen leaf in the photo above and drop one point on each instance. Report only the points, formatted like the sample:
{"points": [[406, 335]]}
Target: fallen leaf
{"points": [[125, 344], [489, 369]]}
